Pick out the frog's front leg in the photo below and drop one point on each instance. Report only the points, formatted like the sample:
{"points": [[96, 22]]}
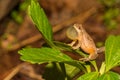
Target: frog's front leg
{"points": [[72, 43], [75, 44]]}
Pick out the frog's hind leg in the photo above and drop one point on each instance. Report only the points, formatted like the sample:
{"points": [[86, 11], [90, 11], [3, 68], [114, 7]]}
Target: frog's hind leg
{"points": [[91, 57]]}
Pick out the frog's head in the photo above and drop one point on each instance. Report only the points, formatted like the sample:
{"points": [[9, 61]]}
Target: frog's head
{"points": [[78, 27], [73, 31]]}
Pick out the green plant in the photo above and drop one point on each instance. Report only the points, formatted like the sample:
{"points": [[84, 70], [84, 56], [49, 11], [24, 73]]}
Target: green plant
{"points": [[62, 67], [111, 12], [17, 14]]}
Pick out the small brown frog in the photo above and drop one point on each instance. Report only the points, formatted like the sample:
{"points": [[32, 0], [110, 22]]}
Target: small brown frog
{"points": [[81, 39]]}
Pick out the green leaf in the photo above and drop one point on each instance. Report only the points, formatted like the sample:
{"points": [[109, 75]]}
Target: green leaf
{"points": [[39, 18], [78, 64], [53, 72], [63, 46], [89, 76], [66, 47], [112, 52], [109, 76], [102, 68], [43, 55], [71, 70], [108, 3]]}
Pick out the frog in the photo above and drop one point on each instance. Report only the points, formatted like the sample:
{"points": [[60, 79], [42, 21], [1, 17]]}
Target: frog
{"points": [[82, 40]]}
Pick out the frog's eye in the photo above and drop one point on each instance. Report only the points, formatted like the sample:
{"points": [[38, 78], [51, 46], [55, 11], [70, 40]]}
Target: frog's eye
{"points": [[78, 26], [72, 33]]}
